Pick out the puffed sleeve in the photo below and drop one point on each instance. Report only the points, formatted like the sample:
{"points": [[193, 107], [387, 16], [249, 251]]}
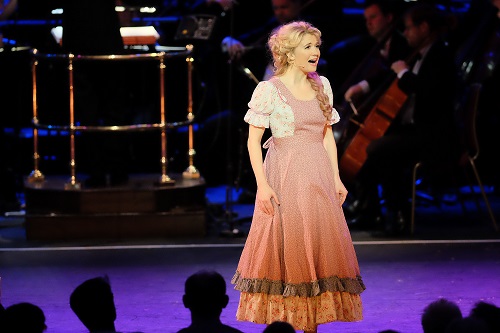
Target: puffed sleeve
{"points": [[328, 90], [261, 104]]}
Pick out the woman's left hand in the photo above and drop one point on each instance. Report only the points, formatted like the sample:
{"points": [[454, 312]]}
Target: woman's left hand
{"points": [[341, 191]]}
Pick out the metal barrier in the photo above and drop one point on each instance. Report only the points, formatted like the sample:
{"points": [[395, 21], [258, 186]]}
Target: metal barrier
{"points": [[191, 172]]}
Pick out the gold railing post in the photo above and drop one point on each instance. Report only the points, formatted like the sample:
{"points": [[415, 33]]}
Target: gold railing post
{"points": [[165, 179], [73, 183], [191, 172], [35, 175]]}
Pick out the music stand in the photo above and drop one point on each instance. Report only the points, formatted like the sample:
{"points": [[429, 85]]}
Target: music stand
{"points": [[199, 27]]}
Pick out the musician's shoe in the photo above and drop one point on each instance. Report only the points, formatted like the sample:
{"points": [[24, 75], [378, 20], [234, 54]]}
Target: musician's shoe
{"points": [[367, 220], [363, 214], [361, 204], [397, 223], [355, 207]]}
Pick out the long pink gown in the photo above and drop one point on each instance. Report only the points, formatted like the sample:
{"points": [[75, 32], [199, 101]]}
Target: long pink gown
{"points": [[298, 265]]}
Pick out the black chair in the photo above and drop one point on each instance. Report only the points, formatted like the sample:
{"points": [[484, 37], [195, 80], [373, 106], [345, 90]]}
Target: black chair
{"points": [[468, 112]]}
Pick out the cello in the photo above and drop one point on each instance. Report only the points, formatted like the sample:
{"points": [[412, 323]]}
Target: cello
{"points": [[374, 126], [349, 115]]}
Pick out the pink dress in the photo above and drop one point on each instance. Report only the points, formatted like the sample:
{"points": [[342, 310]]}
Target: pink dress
{"points": [[298, 265]]}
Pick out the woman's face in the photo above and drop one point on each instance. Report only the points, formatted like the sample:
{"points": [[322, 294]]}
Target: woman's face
{"points": [[307, 53]]}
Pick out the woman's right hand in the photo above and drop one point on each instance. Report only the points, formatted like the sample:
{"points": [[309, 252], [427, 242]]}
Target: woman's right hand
{"points": [[353, 92], [233, 47], [265, 195]]}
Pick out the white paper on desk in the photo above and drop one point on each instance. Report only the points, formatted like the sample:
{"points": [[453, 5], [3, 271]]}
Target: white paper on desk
{"points": [[57, 32], [139, 32]]}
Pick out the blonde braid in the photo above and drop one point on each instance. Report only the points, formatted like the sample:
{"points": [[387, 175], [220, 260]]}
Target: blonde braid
{"points": [[324, 101]]}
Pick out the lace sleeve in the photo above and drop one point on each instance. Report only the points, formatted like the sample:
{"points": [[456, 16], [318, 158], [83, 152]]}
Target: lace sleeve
{"points": [[261, 104], [328, 91]]}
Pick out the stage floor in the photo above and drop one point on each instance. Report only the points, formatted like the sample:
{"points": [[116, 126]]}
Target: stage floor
{"points": [[401, 277], [449, 256]]}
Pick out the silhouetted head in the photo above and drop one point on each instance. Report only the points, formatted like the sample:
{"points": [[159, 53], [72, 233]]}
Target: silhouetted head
{"points": [[93, 303], [438, 315], [467, 325], [279, 327], [205, 293], [22, 318], [490, 313]]}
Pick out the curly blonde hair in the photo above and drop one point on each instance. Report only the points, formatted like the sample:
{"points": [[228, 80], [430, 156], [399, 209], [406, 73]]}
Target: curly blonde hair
{"points": [[282, 41]]}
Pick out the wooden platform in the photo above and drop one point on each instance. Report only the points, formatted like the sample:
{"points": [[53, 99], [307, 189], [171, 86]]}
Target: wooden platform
{"points": [[139, 209]]}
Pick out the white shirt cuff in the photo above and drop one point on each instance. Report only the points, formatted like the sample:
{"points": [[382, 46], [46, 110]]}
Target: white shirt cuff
{"points": [[400, 74], [365, 86]]}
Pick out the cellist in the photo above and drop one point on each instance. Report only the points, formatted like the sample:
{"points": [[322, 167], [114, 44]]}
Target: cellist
{"points": [[381, 19], [424, 128], [383, 24], [378, 45]]}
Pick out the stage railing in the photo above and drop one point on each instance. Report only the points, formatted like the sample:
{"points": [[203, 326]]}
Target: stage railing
{"points": [[72, 128]]}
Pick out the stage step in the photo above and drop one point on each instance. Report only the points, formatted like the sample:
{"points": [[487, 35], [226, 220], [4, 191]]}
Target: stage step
{"points": [[139, 209]]}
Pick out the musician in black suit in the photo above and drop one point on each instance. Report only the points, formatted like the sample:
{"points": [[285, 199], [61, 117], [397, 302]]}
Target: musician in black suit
{"points": [[425, 127], [478, 54], [372, 76], [383, 25], [376, 46], [91, 27]]}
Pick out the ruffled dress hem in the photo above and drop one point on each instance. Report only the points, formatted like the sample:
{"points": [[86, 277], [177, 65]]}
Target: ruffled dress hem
{"points": [[309, 289], [303, 313]]}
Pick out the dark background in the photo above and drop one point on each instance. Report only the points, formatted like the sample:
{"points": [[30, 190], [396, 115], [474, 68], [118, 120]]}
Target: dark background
{"points": [[219, 104]]}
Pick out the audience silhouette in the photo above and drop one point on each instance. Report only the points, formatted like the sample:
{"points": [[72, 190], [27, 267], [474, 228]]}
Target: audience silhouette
{"points": [[438, 314], [279, 327], [467, 325], [489, 313], [93, 303], [22, 318], [205, 296]]}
